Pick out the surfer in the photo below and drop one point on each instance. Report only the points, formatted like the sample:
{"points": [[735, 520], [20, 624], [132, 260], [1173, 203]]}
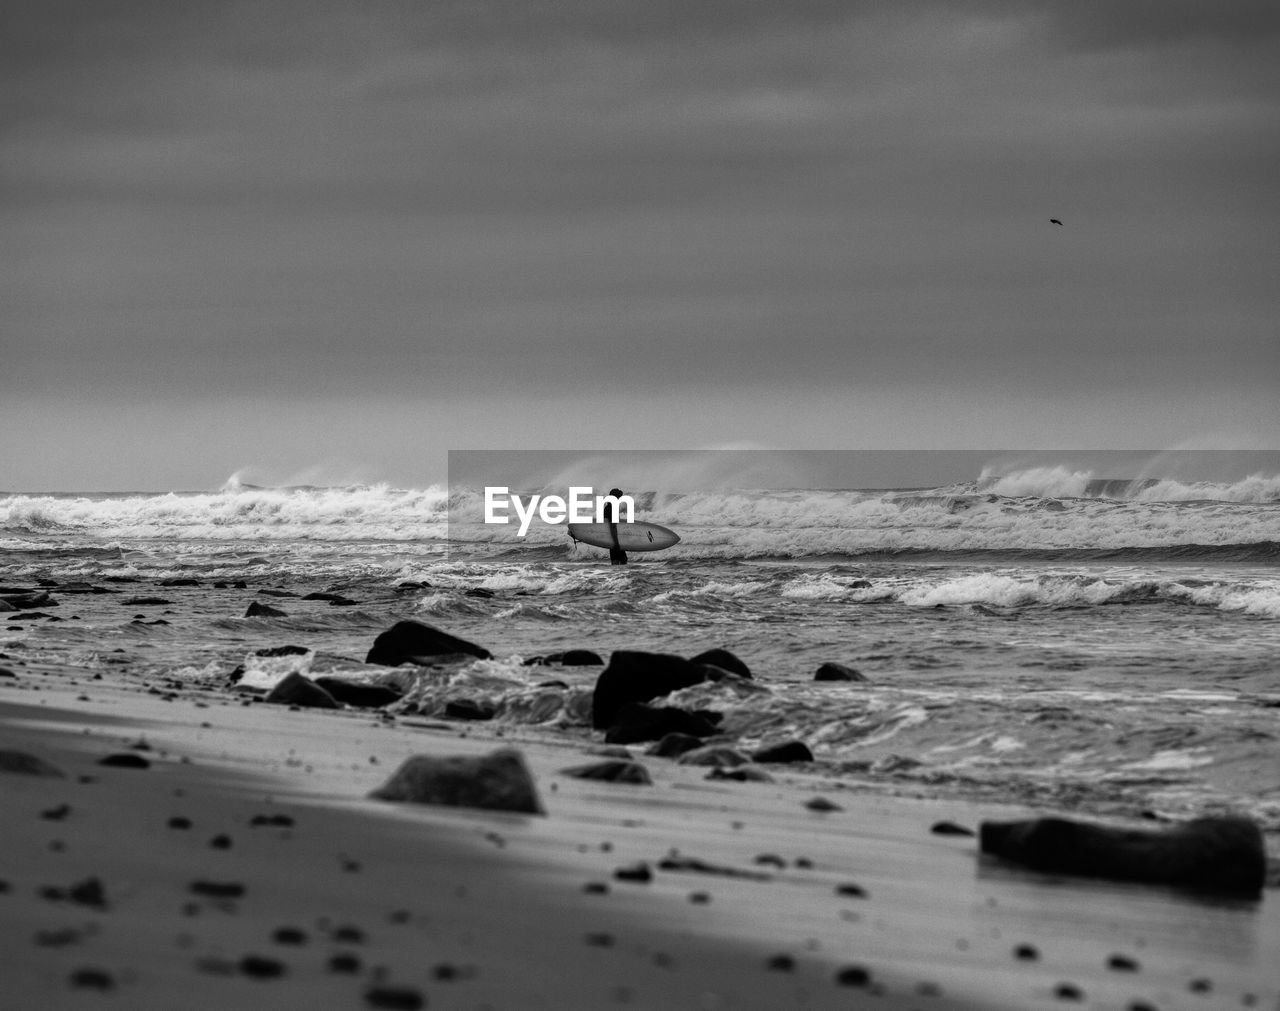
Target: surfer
{"points": [[616, 555]]}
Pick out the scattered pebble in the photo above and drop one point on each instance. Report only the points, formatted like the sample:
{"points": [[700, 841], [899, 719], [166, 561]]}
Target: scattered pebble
{"points": [[1068, 991], [348, 934], [639, 873], [260, 967], [1122, 963], [596, 888], [179, 822], [217, 889], [344, 962], [600, 940], [781, 963], [289, 935], [94, 979], [949, 828], [852, 890], [700, 898], [221, 842], [1200, 985], [822, 804], [1026, 952], [399, 998], [854, 975]]}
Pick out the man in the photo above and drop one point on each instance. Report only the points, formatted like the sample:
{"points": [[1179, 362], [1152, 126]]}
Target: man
{"points": [[616, 555]]}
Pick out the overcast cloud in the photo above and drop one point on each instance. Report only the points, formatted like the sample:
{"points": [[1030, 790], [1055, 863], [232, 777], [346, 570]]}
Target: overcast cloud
{"points": [[341, 239]]}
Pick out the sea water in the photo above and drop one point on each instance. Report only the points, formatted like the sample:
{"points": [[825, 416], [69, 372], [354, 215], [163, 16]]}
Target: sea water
{"points": [[1044, 637]]}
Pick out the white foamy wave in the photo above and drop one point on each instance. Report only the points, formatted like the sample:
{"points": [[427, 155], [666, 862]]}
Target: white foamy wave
{"points": [[1044, 482], [374, 512]]}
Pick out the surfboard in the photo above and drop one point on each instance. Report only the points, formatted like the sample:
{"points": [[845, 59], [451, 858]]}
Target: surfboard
{"points": [[636, 536]]}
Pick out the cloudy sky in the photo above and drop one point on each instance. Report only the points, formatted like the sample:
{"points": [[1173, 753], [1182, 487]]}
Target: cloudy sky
{"points": [[314, 241]]}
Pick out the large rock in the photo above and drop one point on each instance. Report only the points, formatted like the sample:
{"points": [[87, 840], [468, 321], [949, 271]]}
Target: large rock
{"points": [[355, 693], [634, 676], [408, 641], [616, 770], [257, 609], [636, 722], [838, 672], [1215, 854], [23, 601], [296, 690], [784, 752], [27, 764], [499, 781], [723, 659]]}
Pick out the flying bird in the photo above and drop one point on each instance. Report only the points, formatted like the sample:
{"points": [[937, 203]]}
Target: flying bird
{"points": [[1054, 221]]}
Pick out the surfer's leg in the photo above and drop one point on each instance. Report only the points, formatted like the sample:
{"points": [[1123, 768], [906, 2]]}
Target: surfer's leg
{"points": [[617, 556]]}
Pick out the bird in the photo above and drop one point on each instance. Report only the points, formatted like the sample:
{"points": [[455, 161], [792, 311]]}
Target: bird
{"points": [[1054, 221]]}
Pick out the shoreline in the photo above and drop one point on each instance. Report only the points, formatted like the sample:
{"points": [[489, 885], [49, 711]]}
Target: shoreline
{"points": [[469, 909]]}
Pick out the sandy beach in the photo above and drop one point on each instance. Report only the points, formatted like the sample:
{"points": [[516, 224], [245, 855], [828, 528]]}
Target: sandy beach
{"points": [[245, 866]]}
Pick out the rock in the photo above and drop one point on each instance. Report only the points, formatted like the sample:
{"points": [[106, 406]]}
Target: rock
{"points": [[634, 676], [268, 592], [6, 606], [674, 745], [5, 672], [723, 659], [950, 828], [27, 765], [716, 756], [333, 598], [270, 651], [837, 672], [636, 722], [258, 610], [1212, 854], [362, 696], [787, 751], [146, 601], [482, 592], [296, 690], [180, 581], [23, 601], [499, 781], [469, 709], [615, 771], [406, 641], [125, 760]]}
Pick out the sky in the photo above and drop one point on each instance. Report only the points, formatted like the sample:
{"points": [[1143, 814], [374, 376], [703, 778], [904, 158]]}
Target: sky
{"points": [[307, 241]]}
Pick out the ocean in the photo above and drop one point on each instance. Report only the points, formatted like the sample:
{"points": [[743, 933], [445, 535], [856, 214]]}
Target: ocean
{"points": [[1045, 637]]}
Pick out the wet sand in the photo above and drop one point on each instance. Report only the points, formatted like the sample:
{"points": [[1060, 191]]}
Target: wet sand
{"points": [[245, 866]]}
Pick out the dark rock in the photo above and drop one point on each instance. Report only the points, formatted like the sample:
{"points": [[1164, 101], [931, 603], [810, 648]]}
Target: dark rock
{"points": [[333, 598], [1212, 854], [6, 606], [28, 765], [837, 672], [259, 610], [483, 592], [396, 998], [125, 760], [217, 889], [22, 601], [295, 690], [635, 722], [787, 751], [640, 873], [270, 651], [180, 581], [821, 804], [468, 709], [407, 641], [362, 696], [498, 781], [258, 967], [616, 771], [853, 975], [146, 601], [93, 979], [723, 659], [674, 745], [276, 593], [5, 672], [634, 676], [950, 828]]}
